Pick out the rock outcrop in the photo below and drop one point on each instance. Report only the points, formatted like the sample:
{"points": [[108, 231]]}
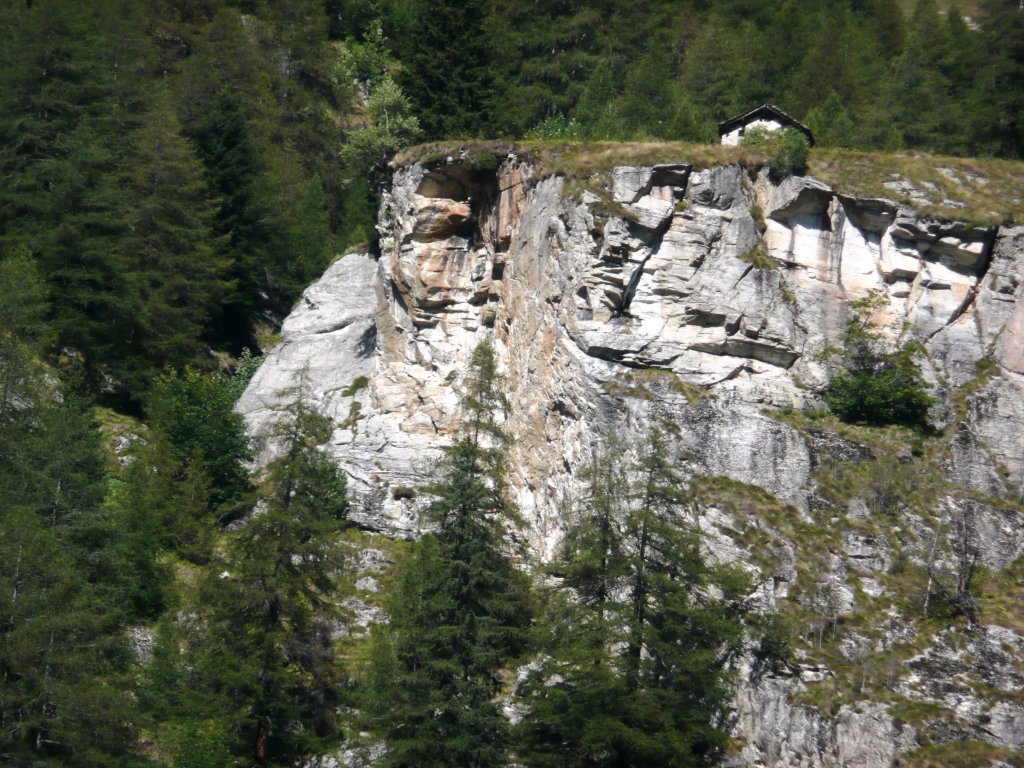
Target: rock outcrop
{"points": [[702, 298]]}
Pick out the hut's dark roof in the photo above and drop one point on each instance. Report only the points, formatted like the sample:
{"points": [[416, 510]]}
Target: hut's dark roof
{"points": [[764, 111]]}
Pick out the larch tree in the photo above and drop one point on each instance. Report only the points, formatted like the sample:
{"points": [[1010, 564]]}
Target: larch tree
{"points": [[635, 668], [266, 654]]}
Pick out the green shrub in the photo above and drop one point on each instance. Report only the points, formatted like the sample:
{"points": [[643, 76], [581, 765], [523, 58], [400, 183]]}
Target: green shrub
{"points": [[403, 492], [881, 384], [482, 161], [786, 149], [194, 412], [556, 128], [759, 258], [358, 383], [392, 126], [248, 364]]}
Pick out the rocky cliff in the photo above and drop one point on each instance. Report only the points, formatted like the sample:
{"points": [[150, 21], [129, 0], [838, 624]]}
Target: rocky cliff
{"points": [[702, 298]]}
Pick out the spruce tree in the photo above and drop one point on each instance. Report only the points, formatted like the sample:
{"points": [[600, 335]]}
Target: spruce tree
{"points": [[878, 383], [461, 610], [1001, 95], [716, 69], [235, 175], [652, 106], [533, 84], [850, 70], [70, 100], [25, 334], [446, 70], [64, 695], [577, 699], [890, 26], [266, 655], [831, 124], [65, 594], [921, 96], [171, 261], [193, 414]]}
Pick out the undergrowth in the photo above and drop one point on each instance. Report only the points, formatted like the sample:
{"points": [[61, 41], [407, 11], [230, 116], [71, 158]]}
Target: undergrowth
{"points": [[962, 754], [638, 384]]}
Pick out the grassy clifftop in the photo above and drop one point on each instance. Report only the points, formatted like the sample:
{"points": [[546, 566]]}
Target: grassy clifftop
{"points": [[976, 190]]}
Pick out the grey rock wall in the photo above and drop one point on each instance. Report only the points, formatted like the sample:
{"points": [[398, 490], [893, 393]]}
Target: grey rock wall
{"points": [[701, 299]]}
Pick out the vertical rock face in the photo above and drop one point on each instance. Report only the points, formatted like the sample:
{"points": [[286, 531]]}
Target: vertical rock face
{"points": [[701, 299]]}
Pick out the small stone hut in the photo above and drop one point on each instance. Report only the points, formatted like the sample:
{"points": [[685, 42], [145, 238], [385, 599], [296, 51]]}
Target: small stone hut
{"points": [[766, 116]]}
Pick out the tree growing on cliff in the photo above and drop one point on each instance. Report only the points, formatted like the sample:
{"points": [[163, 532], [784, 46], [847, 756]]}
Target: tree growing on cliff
{"points": [[951, 575], [391, 128], [641, 629], [880, 383], [462, 608]]}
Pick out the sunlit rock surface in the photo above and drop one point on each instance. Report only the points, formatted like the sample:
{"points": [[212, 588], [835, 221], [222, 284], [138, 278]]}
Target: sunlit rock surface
{"points": [[702, 300]]}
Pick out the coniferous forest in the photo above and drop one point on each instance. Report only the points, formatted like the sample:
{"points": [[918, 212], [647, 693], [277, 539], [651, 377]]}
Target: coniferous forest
{"points": [[173, 173]]}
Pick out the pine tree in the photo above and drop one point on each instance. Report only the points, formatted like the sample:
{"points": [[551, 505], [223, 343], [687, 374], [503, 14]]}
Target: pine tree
{"points": [[890, 26], [173, 497], [460, 612], [788, 37], [25, 334], [831, 124], [850, 68], [652, 106], [70, 101], [576, 701], [65, 594], [52, 86], [635, 671], [715, 73], [545, 53], [235, 177], [878, 382], [391, 128], [920, 99], [309, 235], [63, 688]]}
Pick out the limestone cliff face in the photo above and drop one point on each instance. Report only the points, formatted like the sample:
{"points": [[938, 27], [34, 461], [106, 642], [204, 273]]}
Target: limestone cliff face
{"points": [[703, 299]]}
